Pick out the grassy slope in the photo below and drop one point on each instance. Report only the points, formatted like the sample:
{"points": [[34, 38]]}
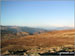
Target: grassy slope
{"points": [[47, 39]]}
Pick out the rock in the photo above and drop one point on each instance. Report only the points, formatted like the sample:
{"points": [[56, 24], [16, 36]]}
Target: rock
{"points": [[6, 52]]}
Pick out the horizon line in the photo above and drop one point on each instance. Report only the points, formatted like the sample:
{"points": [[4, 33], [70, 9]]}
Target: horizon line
{"points": [[39, 26]]}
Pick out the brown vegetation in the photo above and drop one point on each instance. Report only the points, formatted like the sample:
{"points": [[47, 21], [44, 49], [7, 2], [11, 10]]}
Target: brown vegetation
{"points": [[43, 40]]}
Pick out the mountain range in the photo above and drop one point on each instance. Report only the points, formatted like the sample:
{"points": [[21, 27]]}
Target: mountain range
{"points": [[31, 30]]}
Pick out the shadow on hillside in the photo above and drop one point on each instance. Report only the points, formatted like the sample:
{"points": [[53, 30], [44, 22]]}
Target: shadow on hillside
{"points": [[65, 53]]}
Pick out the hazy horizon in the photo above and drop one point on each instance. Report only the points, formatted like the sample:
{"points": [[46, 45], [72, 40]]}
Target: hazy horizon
{"points": [[37, 13]]}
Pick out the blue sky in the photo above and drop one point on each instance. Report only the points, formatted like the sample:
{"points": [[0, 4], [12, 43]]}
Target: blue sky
{"points": [[37, 13]]}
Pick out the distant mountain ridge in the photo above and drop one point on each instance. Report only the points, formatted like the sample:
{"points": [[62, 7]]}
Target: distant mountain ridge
{"points": [[16, 29], [31, 30], [56, 28]]}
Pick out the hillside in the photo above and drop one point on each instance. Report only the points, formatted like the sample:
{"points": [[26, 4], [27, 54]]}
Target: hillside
{"points": [[41, 43], [9, 32], [15, 29]]}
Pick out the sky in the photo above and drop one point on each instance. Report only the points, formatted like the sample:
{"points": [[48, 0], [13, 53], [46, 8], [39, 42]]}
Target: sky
{"points": [[37, 13]]}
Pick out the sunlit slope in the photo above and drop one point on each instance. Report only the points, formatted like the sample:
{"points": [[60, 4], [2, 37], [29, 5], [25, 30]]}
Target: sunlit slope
{"points": [[45, 39]]}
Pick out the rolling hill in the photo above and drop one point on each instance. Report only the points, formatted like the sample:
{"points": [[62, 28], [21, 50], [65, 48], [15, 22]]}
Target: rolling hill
{"points": [[41, 43], [15, 29]]}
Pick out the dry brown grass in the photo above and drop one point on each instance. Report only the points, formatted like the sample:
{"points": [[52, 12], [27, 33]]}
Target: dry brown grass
{"points": [[48, 39]]}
